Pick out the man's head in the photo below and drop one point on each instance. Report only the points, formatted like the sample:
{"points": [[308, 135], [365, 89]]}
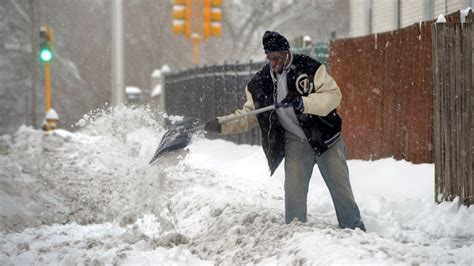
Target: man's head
{"points": [[277, 50]]}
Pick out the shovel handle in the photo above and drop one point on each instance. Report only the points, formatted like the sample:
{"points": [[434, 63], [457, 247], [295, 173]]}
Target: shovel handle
{"points": [[237, 117], [254, 112]]}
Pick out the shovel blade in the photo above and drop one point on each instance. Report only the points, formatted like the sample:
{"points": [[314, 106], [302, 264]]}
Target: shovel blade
{"points": [[177, 137]]}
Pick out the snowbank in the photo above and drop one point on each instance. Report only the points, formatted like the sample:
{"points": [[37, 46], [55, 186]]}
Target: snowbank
{"points": [[91, 197]]}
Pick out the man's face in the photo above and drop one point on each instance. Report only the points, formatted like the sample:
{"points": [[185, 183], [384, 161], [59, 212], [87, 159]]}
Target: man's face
{"points": [[277, 60]]}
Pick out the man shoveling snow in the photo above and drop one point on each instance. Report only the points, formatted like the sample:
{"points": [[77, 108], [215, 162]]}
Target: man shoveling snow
{"points": [[305, 128]]}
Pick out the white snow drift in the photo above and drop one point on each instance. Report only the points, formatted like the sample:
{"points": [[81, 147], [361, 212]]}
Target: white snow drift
{"points": [[90, 197]]}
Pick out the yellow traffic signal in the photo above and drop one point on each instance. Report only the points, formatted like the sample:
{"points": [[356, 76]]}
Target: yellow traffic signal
{"points": [[178, 12], [211, 17], [182, 17], [186, 15], [216, 29], [216, 14]]}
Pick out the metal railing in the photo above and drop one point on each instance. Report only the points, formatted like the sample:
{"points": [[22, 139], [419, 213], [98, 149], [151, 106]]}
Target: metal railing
{"points": [[211, 91]]}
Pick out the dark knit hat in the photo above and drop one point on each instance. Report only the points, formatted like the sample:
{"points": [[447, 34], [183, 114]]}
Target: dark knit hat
{"points": [[274, 41]]}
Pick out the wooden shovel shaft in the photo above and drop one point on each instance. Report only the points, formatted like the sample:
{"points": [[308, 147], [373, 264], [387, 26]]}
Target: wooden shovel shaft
{"points": [[254, 112], [239, 116]]}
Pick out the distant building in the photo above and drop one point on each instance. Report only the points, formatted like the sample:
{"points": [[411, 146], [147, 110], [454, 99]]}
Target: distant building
{"points": [[374, 16]]}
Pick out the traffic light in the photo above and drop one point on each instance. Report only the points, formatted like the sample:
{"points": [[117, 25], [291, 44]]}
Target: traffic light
{"points": [[45, 52], [182, 17], [46, 47], [211, 18], [186, 16]]}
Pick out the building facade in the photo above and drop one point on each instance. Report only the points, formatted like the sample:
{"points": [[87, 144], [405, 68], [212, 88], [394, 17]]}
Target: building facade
{"points": [[374, 16]]}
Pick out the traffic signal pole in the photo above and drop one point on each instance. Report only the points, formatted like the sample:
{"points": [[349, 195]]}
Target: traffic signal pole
{"points": [[47, 86], [46, 54], [195, 36]]}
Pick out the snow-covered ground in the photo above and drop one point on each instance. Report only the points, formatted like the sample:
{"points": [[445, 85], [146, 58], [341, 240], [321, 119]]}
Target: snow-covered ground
{"points": [[91, 198]]}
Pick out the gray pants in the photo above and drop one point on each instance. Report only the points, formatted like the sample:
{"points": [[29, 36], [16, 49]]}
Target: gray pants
{"points": [[299, 162]]}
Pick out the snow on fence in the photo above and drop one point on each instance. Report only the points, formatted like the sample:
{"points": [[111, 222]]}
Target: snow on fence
{"points": [[211, 91], [453, 55]]}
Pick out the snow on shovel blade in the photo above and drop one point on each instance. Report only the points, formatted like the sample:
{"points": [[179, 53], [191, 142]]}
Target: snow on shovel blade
{"points": [[177, 137]]}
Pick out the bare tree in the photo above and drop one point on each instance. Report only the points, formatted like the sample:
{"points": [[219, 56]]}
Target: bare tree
{"points": [[149, 42], [245, 22], [15, 66], [81, 67]]}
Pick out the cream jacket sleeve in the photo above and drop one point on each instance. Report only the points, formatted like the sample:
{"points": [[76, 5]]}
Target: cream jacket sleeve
{"points": [[244, 124], [326, 97]]}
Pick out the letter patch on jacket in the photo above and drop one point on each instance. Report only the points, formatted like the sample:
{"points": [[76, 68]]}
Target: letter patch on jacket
{"points": [[303, 85]]}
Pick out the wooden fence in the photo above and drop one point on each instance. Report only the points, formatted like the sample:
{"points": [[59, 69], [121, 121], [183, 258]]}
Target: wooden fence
{"points": [[211, 91], [386, 82], [453, 67]]}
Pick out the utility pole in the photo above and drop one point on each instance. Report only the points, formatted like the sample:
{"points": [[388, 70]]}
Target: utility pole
{"points": [[34, 75], [117, 53]]}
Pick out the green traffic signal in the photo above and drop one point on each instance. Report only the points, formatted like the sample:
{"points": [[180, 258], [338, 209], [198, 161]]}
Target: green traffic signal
{"points": [[45, 52], [46, 55]]}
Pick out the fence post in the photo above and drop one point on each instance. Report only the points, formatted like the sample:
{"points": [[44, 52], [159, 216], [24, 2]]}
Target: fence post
{"points": [[454, 111]]}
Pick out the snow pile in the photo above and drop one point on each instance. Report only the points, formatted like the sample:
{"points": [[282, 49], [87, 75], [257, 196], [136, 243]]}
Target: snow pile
{"points": [[464, 13], [441, 19], [91, 198]]}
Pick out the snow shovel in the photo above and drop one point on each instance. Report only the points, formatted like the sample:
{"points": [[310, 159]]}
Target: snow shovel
{"points": [[179, 134]]}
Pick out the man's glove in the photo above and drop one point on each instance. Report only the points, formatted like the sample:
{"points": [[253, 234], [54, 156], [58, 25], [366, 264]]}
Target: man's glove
{"points": [[293, 99], [213, 126]]}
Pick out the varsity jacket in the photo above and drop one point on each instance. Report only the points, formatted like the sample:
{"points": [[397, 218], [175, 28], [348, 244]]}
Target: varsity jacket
{"points": [[319, 119]]}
